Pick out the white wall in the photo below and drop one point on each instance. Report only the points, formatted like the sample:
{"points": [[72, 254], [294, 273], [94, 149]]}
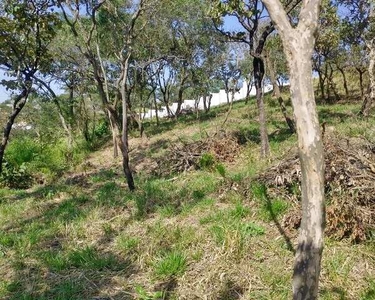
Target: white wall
{"points": [[217, 99]]}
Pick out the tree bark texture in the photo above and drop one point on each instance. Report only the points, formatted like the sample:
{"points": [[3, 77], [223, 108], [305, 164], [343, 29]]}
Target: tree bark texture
{"points": [[298, 45]]}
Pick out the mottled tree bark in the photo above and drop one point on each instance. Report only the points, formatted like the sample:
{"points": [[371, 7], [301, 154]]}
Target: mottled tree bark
{"points": [[298, 45], [370, 43]]}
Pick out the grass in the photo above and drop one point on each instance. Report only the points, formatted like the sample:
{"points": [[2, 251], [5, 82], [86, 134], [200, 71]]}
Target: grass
{"points": [[209, 232], [170, 264]]}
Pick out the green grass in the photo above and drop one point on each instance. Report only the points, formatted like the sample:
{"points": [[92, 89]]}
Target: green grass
{"points": [[212, 226], [170, 264]]}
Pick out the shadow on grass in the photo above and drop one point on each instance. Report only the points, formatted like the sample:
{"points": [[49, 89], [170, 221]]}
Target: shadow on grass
{"points": [[260, 192]]}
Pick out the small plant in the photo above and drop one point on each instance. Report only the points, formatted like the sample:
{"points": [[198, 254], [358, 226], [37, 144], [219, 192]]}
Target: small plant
{"points": [[171, 264], [206, 161], [144, 295], [220, 168]]}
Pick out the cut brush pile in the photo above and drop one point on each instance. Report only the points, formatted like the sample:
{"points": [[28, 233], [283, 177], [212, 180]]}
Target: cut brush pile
{"points": [[188, 155], [349, 187]]}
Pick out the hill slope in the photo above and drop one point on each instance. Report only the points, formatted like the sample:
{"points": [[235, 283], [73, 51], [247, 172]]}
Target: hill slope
{"points": [[202, 224]]}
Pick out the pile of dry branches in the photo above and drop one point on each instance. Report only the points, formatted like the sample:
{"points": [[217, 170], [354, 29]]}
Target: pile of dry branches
{"points": [[186, 155], [349, 186]]}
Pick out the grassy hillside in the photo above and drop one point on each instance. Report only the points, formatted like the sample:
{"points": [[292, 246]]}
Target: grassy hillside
{"points": [[215, 231]]}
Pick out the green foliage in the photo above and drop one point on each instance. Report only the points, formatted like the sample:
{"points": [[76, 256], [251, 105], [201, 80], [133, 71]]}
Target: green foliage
{"points": [[220, 168], [15, 177], [171, 264], [102, 129], [206, 161]]}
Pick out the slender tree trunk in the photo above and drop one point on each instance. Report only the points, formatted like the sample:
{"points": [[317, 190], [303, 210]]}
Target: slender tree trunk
{"points": [[258, 76], [331, 84], [321, 85], [370, 99], [229, 109], [156, 110], [114, 138], [123, 141], [344, 80], [19, 103], [277, 94], [360, 72]]}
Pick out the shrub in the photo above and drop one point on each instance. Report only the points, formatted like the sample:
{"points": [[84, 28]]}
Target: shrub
{"points": [[15, 177]]}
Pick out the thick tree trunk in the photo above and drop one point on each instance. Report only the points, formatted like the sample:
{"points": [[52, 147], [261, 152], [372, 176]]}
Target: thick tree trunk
{"points": [[310, 245], [298, 46], [258, 76], [19, 103], [277, 94], [370, 99]]}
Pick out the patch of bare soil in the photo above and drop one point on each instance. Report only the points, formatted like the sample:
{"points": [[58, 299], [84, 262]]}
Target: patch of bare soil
{"points": [[349, 186]]}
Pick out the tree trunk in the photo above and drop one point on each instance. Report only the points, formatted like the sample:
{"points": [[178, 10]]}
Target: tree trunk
{"points": [[321, 85], [114, 138], [258, 76], [298, 46], [123, 141], [277, 94], [345, 81], [360, 72], [310, 245], [156, 110], [370, 99], [19, 103]]}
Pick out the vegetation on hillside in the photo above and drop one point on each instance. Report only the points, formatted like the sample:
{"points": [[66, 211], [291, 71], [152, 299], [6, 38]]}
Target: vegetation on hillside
{"points": [[98, 202]]}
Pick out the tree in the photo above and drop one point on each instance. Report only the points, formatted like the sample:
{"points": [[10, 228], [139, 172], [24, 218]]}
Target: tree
{"points": [[110, 28], [299, 44], [250, 14], [26, 30]]}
